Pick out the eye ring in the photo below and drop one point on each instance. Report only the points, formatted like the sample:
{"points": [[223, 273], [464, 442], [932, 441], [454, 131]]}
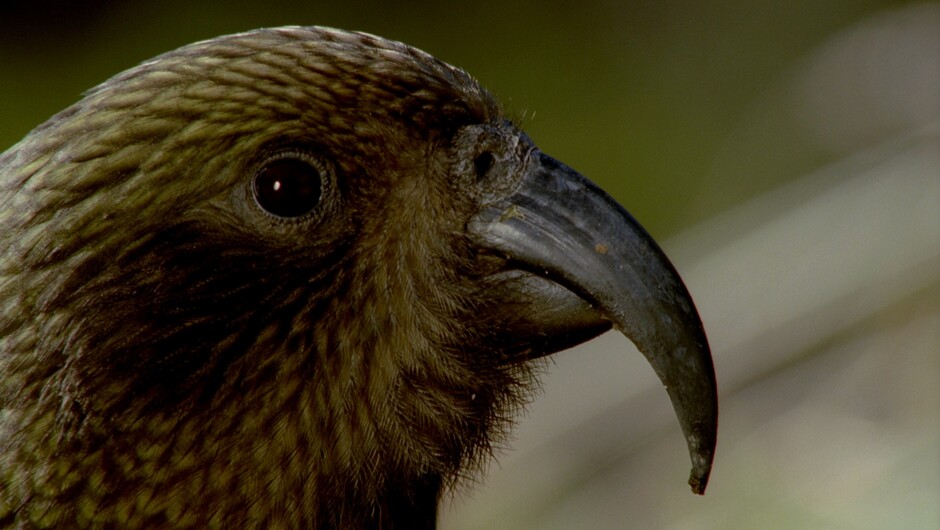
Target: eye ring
{"points": [[289, 185]]}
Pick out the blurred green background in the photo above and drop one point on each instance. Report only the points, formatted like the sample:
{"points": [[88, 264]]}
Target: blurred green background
{"points": [[641, 96], [787, 155]]}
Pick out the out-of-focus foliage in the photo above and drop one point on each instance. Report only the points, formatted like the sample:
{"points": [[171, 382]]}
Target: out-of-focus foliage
{"points": [[642, 97]]}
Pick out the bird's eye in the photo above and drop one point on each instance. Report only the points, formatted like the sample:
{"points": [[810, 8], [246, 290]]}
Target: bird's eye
{"points": [[288, 185], [483, 162]]}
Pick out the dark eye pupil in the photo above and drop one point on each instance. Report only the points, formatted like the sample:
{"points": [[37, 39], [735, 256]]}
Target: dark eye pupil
{"points": [[288, 187]]}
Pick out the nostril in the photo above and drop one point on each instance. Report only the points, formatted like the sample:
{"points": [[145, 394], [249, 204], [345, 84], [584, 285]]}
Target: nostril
{"points": [[483, 162]]}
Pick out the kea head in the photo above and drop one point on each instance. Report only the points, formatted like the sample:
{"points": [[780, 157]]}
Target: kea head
{"points": [[300, 275]]}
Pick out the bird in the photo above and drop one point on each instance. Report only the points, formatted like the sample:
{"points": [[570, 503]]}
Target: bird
{"points": [[301, 277]]}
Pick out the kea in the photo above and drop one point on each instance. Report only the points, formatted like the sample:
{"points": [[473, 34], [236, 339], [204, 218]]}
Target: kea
{"points": [[300, 278]]}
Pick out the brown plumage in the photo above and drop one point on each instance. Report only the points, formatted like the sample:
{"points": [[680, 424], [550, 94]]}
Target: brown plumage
{"points": [[263, 281]]}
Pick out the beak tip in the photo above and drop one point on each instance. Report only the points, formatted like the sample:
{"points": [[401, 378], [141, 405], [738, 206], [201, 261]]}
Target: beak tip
{"points": [[702, 455], [698, 483]]}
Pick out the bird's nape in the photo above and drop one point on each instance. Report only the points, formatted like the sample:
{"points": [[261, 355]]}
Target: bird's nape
{"points": [[297, 277]]}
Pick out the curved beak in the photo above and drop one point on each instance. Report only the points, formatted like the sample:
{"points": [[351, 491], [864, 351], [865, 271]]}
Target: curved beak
{"points": [[559, 226]]}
